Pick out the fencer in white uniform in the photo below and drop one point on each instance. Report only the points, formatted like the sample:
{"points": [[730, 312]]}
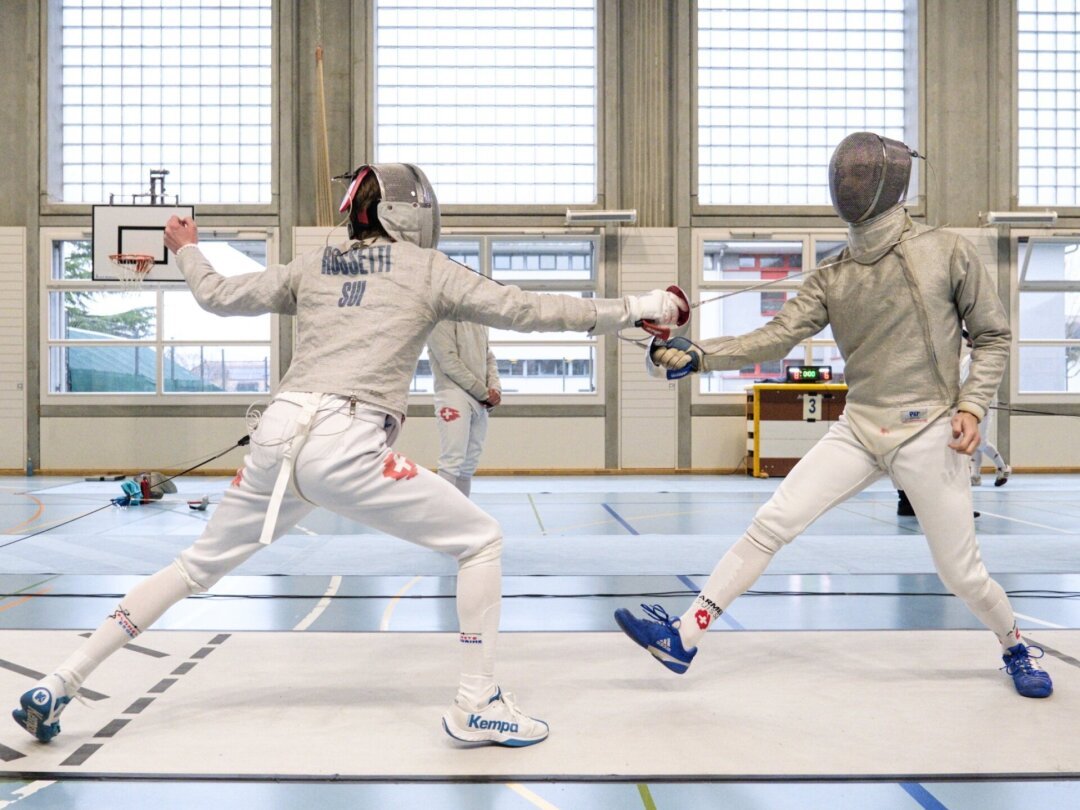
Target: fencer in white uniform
{"points": [[363, 312], [895, 302], [466, 388]]}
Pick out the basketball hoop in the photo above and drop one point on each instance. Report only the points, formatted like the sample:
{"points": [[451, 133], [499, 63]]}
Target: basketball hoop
{"points": [[131, 268]]}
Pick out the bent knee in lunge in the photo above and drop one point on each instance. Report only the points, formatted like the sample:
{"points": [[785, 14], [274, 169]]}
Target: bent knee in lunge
{"points": [[489, 550]]}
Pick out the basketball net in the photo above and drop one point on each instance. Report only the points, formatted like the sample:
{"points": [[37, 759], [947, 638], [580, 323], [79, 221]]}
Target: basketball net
{"points": [[131, 268]]}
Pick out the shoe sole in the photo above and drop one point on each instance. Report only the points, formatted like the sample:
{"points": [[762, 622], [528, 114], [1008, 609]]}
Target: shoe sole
{"points": [[512, 742], [673, 664], [33, 722]]}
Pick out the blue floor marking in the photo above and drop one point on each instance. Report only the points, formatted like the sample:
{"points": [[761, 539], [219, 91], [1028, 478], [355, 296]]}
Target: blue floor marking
{"points": [[619, 518], [727, 617], [923, 796]]}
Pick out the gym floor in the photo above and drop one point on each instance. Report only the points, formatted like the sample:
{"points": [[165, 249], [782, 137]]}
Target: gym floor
{"points": [[576, 548]]}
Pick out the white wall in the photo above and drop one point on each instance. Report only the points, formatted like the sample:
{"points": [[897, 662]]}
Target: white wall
{"points": [[13, 451], [125, 444], [525, 443]]}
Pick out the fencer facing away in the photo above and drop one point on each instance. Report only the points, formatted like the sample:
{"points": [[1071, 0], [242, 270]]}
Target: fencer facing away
{"points": [[363, 312], [895, 301]]}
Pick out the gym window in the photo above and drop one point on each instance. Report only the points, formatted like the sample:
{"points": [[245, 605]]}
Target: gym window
{"points": [[1047, 316], [535, 366], [780, 83], [1049, 105], [121, 114], [496, 101], [742, 283], [152, 343]]}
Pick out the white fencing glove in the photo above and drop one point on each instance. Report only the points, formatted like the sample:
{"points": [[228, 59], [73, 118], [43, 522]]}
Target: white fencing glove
{"points": [[658, 310]]}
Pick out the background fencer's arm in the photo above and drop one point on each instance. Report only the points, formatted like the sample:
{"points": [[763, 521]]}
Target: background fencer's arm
{"points": [[801, 317], [459, 294], [443, 348], [978, 305], [269, 290], [493, 380]]}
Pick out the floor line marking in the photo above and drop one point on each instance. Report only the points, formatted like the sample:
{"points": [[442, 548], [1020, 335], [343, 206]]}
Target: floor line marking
{"points": [[646, 796], [108, 731], [26, 791], [384, 622], [619, 519], [1028, 523], [531, 797], [1038, 621], [24, 600], [40, 511], [306, 531], [35, 584], [135, 648], [323, 604], [1058, 654], [923, 796], [536, 512]]}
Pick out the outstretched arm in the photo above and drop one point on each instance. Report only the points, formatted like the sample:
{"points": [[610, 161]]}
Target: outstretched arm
{"points": [[459, 294], [269, 290], [800, 317]]}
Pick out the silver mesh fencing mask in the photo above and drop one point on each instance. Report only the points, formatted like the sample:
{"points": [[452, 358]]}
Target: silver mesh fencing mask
{"points": [[408, 209], [868, 175]]}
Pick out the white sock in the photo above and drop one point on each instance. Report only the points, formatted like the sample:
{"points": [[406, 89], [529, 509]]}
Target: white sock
{"points": [[138, 610], [479, 594], [736, 571], [1010, 639]]}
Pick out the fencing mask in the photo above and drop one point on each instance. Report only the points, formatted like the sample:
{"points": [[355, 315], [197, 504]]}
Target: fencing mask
{"points": [[405, 203], [868, 175]]}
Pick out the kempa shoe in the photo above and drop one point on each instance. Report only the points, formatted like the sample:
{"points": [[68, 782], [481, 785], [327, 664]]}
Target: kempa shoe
{"points": [[660, 637], [498, 722], [40, 712], [1028, 677], [1003, 476]]}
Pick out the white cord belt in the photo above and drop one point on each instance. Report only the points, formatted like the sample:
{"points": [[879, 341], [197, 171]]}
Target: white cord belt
{"points": [[309, 405]]}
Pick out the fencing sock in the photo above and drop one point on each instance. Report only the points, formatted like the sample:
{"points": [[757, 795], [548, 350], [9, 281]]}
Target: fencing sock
{"points": [[464, 483], [143, 606], [479, 591], [736, 571]]}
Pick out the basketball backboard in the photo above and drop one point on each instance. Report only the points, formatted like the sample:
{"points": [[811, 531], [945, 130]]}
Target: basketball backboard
{"points": [[135, 229]]}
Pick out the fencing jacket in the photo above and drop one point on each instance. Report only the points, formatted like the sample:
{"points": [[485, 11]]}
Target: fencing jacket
{"points": [[895, 303], [364, 312], [461, 359]]}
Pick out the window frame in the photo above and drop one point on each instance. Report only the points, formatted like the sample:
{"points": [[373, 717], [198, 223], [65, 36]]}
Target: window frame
{"points": [[49, 103], [48, 236], [596, 286], [702, 290], [552, 214], [1018, 238], [914, 67]]}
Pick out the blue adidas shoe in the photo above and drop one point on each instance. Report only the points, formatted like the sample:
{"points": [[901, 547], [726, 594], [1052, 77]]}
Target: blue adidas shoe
{"points": [[660, 637], [40, 712], [1028, 677]]}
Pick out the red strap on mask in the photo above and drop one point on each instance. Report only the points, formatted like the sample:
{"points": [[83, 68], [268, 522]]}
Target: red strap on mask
{"points": [[346, 201]]}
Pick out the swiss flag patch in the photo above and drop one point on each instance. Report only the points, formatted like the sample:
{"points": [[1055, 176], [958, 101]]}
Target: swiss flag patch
{"points": [[449, 414], [398, 467], [703, 619]]}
